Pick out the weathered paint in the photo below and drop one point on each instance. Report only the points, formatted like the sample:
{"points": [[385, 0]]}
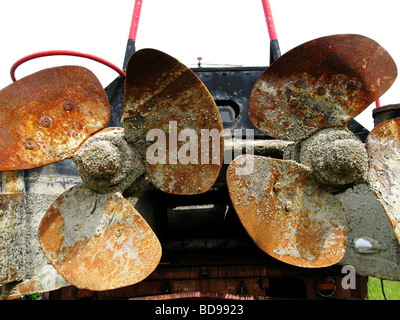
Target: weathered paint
{"points": [[23, 268], [322, 83], [44, 279], [383, 145], [12, 214], [98, 241], [286, 213], [159, 91], [12, 207], [45, 116]]}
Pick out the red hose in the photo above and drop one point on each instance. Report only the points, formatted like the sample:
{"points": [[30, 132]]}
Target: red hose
{"points": [[270, 21], [62, 53], [135, 20]]}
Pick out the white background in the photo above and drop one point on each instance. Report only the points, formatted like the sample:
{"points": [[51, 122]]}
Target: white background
{"points": [[224, 32]]}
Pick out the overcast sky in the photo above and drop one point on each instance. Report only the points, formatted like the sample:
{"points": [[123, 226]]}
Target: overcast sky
{"points": [[225, 32]]}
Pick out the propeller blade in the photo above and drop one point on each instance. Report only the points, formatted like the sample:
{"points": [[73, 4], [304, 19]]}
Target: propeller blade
{"points": [[383, 145], [173, 121], [98, 241], [322, 83], [45, 116], [286, 213]]}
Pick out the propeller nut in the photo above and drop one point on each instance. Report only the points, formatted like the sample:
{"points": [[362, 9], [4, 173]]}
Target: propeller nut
{"points": [[336, 157], [100, 159], [107, 162]]}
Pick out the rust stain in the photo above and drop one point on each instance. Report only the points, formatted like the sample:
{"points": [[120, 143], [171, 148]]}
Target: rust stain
{"points": [[286, 213], [383, 144], [322, 83], [161, 92], [22, 289], [46, 116], [109, 247]]}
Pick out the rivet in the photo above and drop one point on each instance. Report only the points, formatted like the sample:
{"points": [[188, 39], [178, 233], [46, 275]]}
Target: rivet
{"points": [[289, 206], [277, 186], [75, 135], [29, 144], [68, 105], [321, 91], [294, 102], [98, 233], [351, 85], [76, 227], [45, 122], [118, 232], [307, 223]]}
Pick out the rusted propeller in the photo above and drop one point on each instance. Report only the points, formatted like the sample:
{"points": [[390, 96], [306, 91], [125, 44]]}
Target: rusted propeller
{"points": [[46, 116], [308, 95], [286, 213], [172, 120], [98, 241], [322, 83], [383, 144], [91, 234]]}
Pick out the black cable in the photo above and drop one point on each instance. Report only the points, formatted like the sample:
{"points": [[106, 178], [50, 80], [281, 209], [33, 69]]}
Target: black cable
{"points": [[383, 290]]}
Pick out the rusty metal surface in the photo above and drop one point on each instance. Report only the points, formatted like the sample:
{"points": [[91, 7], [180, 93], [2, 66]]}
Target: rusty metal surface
{"points": [[383, 144], [45, 117], [163, 94], [286, 213], [98, 241], [322, 83]]}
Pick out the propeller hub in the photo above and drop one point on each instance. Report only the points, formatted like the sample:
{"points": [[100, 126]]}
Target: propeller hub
{"points": [[336, 157], [106, 162], [100, 159]]}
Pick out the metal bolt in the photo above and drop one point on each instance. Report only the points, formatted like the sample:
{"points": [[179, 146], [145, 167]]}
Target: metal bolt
{"points": [[68, 105], [75, 135], [277, 186], [307, 223], [118, 232], [321, 91], [289, 206], [294, 102], [351, 85], [45, 122], [29, 144]]}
